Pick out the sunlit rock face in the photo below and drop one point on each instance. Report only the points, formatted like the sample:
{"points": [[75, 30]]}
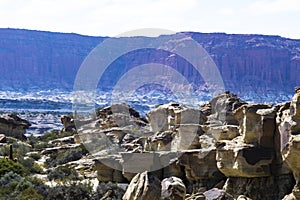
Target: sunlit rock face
{"points": [[250, 65], [13, 126]]}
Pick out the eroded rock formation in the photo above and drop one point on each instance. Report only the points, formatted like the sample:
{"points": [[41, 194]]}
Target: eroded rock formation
{"points": [[13, 126]]}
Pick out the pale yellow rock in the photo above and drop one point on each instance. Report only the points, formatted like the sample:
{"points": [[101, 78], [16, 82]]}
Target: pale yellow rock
{"points": [[144, 186], [237, 159]]}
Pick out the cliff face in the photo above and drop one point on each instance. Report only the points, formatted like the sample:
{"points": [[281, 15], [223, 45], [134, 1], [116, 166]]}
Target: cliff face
{"points": [[31, 59], [248, 63], [254, 62]]}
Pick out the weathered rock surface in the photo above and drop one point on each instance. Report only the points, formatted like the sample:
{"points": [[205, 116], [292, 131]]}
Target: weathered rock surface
{"points": [[215, 194], [144, 186], [13, 126], [2, 138], [237, 159], [252, 148], [172, 188], [171, 116], [220, 109], [68, 123], [267, 188]]}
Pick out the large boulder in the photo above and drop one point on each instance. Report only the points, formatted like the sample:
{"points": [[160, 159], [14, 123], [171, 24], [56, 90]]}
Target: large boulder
{"points": [[266, 188], [220, 109], [291, 155], [237, 159], [257, 123], [171, 116], [172, 188], [68, 123], [295, 112], [215, 194], [13, 126], [200, 166], [144, 186]]}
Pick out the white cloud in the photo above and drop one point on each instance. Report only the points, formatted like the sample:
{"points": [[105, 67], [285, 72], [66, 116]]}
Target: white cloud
{"points": [[267, 7], [113, 17]]}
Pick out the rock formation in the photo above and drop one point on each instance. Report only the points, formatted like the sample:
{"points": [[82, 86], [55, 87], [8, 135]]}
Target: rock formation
{"points": [[172, 188], [144, 186], [248, 63], [245, 146], [226, 149], [13, 126]]}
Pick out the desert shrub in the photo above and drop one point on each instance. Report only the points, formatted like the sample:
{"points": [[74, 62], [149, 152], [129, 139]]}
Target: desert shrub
{"points": [[63, 173], [70, 155], [9, 177], [63, 157], [35, 156], [103, 188], [46, 137], [54, 134], [7, 165], [29, 193], [74, 190], [40, 145], [13, 186]]}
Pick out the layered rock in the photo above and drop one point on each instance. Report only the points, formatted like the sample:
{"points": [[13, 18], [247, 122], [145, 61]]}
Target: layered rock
{"points": [[172, 188], [250, 146], [246, 62], [13, 126], [143, 186]]}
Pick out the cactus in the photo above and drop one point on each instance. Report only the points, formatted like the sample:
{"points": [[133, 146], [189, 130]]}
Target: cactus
{"points": [[11, 152]]}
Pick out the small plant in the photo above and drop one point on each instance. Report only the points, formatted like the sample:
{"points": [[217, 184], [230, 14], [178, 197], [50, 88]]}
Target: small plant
{"points": [[7, 165], [63, 173], [116, 192], [35, 156], [59, 158]]}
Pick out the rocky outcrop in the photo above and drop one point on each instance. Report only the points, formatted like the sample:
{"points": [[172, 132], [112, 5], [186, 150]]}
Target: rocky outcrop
{"points": [[272, 187], [225, 149], [172, 188], [13, 126], [215, 193], [2, 138], [68, 123], [143, 186]]}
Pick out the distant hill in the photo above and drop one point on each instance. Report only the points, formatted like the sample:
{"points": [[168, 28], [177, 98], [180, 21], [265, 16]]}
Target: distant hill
{"points": [[248, 63]]}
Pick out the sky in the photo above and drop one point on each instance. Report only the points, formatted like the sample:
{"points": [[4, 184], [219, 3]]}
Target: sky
{"points": [[114, 17]]}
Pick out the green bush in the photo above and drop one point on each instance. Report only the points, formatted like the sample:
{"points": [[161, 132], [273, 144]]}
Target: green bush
{"points": [[117, 192], [7, 165], [63, 157], [72, 191], [35, 156], [63, 173], [9, 177], [29, 193]]}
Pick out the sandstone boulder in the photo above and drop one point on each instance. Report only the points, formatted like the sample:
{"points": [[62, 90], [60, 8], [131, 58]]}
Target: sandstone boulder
{"points": [[266, 188], [291, 155], [295, 112], [2, 138], [220, 109], [13, 126], [144, 186], [237, 159], [170, 116], [200, 166], [68, 123], [109, 168], [216, 194], [257, 124], [173, 188]]}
